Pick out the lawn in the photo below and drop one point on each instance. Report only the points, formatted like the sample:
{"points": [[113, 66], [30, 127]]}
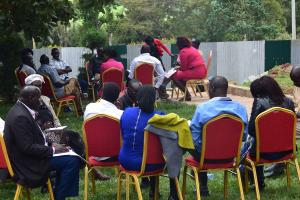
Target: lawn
{"points": [[275, 189]]}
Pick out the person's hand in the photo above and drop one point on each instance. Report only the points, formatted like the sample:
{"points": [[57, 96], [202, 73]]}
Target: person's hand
{"points": [[68, 69], [60, 148]]}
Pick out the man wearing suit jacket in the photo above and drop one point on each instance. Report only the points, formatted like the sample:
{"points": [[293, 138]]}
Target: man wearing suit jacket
{"points": [[29, 154]]}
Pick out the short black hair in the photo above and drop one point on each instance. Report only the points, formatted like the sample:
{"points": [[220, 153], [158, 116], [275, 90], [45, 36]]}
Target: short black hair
{"points": [[145, 98], [219, 84], [256, 89], [54, 49], [111, 53], [183, 42], [25, 52], [149, 39], [44, 59], [145, 49], [196, 43], [110, 92]]}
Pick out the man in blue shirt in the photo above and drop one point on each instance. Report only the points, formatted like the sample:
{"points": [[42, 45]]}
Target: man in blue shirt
{"points": [[218, 104]]}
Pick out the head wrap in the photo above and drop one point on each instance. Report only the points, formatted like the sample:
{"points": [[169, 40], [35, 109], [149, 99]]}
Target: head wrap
{"points": [[34, 77]]}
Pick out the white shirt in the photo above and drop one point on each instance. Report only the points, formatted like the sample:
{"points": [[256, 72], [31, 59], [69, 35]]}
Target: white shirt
{"points": [[147, 58], [102, 107], [33, 114], [59, 64]]}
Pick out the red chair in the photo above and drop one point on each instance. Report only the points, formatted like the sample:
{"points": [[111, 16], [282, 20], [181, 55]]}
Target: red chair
{"points": [[20, 75], [152, 154], [275, 131], [113, 75], [102, 138], [48, 90], [144, 73], [221, 144], [5, 163]]}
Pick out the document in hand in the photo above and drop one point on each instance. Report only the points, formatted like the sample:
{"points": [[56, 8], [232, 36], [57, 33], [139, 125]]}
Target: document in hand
{"points": [[70, 153], [170, 73]]}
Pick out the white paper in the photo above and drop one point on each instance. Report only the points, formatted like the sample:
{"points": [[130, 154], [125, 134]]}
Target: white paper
{"points": [[56, 128], [69, 153], [170, 73], [1, 125]]}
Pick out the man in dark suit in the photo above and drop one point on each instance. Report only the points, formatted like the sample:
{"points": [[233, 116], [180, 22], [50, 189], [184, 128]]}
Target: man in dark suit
{"points": [[29, 154]]}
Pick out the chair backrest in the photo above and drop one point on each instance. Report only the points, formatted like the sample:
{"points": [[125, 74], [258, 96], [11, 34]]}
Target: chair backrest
{"points": [[144, 73], [86, 66], [209, 60], [113, 75], [47, 89], [152, 150], [21, 76], [4, 160], [275, 131], [102, 136], [221, 142]]}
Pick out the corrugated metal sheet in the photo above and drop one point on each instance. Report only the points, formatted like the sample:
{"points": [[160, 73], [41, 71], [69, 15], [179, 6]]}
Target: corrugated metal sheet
{"points": [[71, 55], [295, 49], [238, 60], [206, 47]]}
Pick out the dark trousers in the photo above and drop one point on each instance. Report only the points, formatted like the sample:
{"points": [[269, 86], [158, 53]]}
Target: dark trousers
{"points": [[202, 175], [67, 176]]}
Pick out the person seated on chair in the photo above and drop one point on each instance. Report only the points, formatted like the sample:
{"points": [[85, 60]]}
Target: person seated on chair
{"points": [[47, 116], [62, 87], [267, 94], [106, 106], [62, 68], [133, 122], [192, 65], [30, 155], [109, 56], [295, 77], [27, 65], [93, 69], [129, 98], [218, 104], [145, 57]]}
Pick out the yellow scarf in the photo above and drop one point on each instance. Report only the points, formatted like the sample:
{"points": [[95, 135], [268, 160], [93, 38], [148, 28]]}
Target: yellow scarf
{"points": [[172, 122]]}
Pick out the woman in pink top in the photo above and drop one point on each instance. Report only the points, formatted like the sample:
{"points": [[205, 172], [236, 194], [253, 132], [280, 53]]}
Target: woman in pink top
{"points": [[192, 65], [109, 56]]}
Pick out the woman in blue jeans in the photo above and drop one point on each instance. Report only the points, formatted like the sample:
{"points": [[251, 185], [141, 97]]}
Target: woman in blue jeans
{"points": [[133, 122]]}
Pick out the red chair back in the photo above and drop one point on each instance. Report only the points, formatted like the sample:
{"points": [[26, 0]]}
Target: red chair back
{"points": [[113, 75], [221, 142], [4, 160], [152, 150], [21, 76], [144, 73], [102, 136], [275, 131], [47, 89]]}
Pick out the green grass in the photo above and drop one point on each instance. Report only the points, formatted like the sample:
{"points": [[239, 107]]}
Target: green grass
{"points": [[276, 188]]}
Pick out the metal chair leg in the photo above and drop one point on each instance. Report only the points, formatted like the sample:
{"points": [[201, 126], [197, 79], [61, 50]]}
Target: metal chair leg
{"points": [[86, 182], [50, 189], [18, 192], [197, 183], [255, 180], [297, 168], [127, 186], [183, 189], [178, 189], [225, 184], [137, 187], [119, 186], [240, 183], [288, 174]]}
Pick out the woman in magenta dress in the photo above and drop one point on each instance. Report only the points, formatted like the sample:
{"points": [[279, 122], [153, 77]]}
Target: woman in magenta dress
{"points": [[192, 65]]}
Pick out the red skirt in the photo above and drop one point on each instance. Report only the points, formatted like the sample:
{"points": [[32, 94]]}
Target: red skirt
{"points": [[195, 73]]}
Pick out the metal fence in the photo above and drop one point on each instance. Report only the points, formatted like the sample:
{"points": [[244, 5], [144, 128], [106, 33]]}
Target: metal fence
{"points": [[234, 60]]}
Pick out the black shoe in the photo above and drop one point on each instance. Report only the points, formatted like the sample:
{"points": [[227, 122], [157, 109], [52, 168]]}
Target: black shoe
{"points": [[260, 186], [67, 109], [145, 183], [274, 170], [151, 195], [204, 192], [172, 198]]}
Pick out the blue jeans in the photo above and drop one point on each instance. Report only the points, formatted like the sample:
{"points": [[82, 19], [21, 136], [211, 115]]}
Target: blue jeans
{"points": [[67, 176]]}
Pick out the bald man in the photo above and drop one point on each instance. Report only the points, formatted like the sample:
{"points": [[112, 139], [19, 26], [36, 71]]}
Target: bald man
{"points": [[30, 156], [218, 104]]}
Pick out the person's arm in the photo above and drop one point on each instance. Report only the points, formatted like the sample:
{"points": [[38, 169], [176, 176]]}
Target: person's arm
{"points": [[132, 68], [165, 48], [256, 110], [196, 129], [46, 100], [57, 81], [23, 134], [160, 73]]}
